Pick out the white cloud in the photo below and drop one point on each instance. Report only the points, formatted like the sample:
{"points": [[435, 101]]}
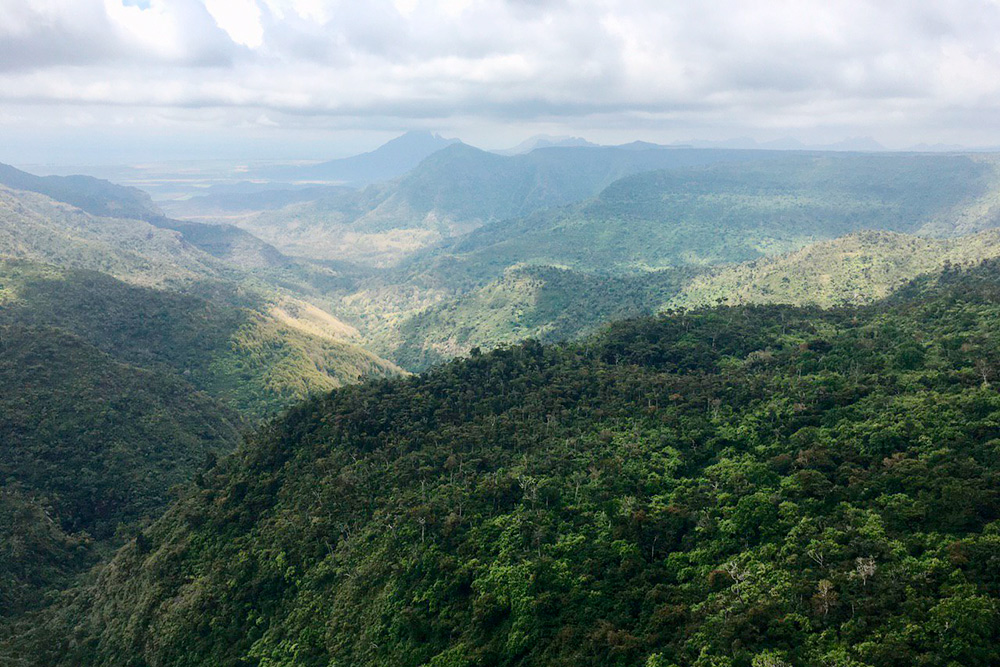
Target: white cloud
{"points": [[898, 69], [239, 18]]}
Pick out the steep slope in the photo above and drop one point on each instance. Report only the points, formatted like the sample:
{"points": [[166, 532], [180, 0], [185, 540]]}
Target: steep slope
{"points": [[36, 555], [544, 303], [453, 191], [38, 228], [88, 447], [229, 321], [229, 243], [858, 268], [104, 199], [213, 260], [114, 391], [153, 251], [761, 485], [255, 360], [101, 441]]}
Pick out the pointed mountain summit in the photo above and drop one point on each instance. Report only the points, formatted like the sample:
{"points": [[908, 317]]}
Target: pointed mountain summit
{"points": [[386, 162]]}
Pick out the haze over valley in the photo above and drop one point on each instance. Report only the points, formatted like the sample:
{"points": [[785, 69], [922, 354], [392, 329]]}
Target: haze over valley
{"points": [[499, 333]]}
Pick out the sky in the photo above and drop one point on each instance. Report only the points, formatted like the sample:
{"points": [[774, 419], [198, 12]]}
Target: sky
{"points": [[109, 81]]}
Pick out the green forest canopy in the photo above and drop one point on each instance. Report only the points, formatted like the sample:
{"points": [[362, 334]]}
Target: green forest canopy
{"points": [[736, 486]]}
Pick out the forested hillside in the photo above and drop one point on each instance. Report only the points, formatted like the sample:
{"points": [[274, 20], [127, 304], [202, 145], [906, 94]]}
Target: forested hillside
{"points": [[552, 304], [689, 358], [116, 390], [41, 229], [751, 485], [858, 268], [450, 193], [37, 557], [540, 302], [100, 440], [637, 246], [113, 393], [737, 212], [257, 360], [180, 255], [209, 301], [90, 447]]}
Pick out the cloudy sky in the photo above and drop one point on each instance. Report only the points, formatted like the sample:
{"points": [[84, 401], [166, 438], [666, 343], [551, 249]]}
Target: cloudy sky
{"points": [[99, 81]]}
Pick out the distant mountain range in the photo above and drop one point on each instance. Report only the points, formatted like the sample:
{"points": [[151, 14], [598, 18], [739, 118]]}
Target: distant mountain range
{"points": [[489, 248], [642, 241], [385, 162], [736, 211], [451, 192], [471, 248]]}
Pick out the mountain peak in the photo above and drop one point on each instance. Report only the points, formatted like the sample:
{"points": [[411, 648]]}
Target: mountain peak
{"points": [[391, 159], [413, 139]]}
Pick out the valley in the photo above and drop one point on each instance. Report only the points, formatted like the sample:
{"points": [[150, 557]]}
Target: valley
{"points": [[499, 333], [678, 391], [814, 484], [635, 243]]}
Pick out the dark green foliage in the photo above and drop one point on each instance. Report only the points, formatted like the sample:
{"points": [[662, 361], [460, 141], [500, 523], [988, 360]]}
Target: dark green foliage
{"points": [[36, 555], [99, 441], [115, 392], [739, 486], [89, 448]]}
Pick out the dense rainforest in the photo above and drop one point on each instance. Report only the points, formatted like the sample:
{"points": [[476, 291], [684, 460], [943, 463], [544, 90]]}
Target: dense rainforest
{"points": [[737, 486], [683, 235], [131, 353], [751, 485], [90, 448]]}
